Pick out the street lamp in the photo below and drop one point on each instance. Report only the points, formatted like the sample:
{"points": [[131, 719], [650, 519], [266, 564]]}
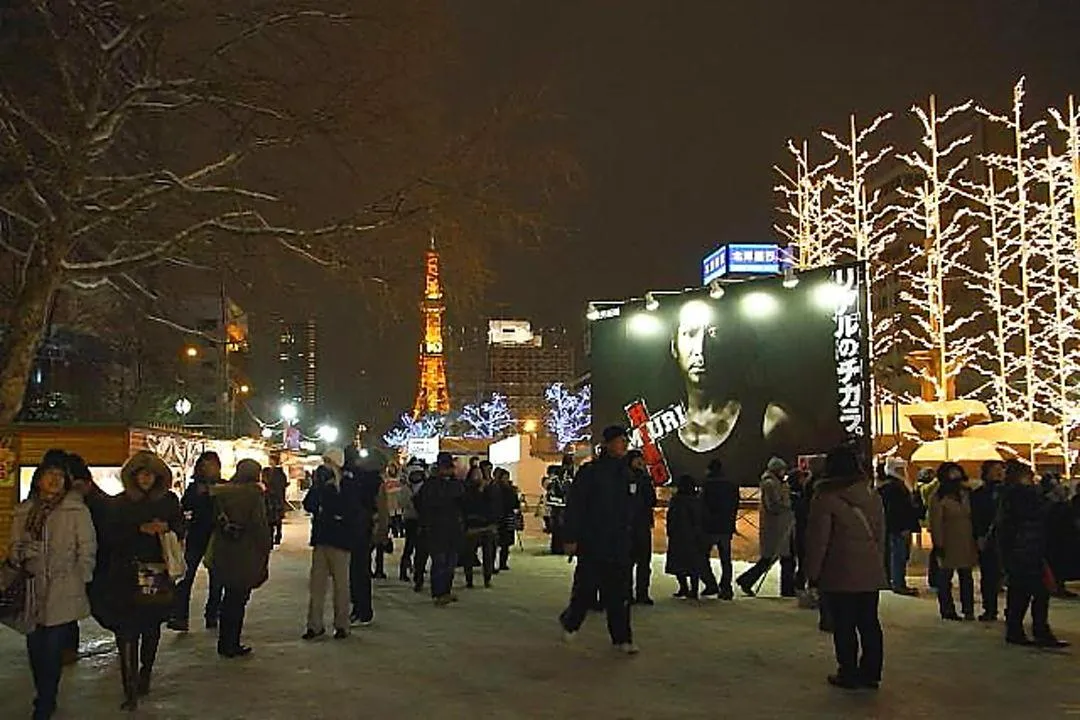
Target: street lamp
{"points": [[267, 433], [289, 413], [191, 351], [327, 433], [245, 389], [182, 407], [531, 426]]}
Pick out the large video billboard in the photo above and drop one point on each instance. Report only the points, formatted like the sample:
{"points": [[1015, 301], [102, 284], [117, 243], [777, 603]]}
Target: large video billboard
{"points": [[762, 370]]}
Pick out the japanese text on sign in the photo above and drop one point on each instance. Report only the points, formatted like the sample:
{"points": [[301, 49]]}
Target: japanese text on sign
{"points": [[849, 365]]}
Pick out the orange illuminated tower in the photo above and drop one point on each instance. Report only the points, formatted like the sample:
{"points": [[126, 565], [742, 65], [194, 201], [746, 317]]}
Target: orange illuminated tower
{"points": [[432, 395]]}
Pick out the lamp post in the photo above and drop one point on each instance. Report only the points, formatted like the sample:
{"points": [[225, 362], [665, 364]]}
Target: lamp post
{"points": [[183, 407]]}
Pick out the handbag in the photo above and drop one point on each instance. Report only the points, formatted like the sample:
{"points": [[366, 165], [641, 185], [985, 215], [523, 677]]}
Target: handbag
{"points": [[13, 582], [153, 586], [173, 552]]}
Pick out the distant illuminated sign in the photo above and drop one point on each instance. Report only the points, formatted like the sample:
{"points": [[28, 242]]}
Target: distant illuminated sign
{"points": [[714, 266], [742, 260]]}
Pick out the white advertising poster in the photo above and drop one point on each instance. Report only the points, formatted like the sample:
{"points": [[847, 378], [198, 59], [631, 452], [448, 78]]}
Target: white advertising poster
{"points": [[426, 449]]}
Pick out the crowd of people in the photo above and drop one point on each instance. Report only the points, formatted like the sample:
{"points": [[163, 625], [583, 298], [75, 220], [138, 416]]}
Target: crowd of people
{"points": [[130, 560], [122, 559], [840, 536]]}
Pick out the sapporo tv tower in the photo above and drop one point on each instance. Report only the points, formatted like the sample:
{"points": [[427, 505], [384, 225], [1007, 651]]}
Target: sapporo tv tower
{"points": [[432, 395]]}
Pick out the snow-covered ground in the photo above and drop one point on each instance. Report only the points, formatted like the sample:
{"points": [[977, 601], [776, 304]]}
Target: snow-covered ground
{"points": [[498, 654]]}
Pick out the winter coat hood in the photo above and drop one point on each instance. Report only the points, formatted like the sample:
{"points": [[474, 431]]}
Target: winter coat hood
{"points": [[146, 461]]}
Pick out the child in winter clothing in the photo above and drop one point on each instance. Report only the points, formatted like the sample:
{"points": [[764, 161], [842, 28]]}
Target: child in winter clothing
{"points": [[686, 555]]}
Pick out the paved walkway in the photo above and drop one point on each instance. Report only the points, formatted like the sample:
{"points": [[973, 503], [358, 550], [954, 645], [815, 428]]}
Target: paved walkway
{"points": [[497, 654]]}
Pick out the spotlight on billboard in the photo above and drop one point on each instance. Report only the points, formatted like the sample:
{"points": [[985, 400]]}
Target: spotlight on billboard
{"points": [[759, 305]]}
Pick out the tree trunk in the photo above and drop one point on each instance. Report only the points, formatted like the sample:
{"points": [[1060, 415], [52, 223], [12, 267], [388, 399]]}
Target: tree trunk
{"points": [[23, 335]]}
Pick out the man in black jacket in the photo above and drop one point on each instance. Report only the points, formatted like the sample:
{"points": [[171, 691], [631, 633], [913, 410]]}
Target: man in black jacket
{"points": [[336, 516], [641, 543], [721, 499], [901, 520], [984, 506], [599, 520], [198, 508]]}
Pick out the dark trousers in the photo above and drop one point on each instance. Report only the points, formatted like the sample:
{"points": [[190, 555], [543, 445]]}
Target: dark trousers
{"points": [[411, 528], [485, 543], [233, 609], [856, 626], [761, 568], [45, 646], [612, 579], [443, 565], [379, 569], [689, 585], [933, 569], [722, 543], [420, 559], [504, 557], [641, 564], [944, 591], [1021, 595], [276, 527], [193, 556], [899, 553], [557, 532], [360, 582], [989, 579]]}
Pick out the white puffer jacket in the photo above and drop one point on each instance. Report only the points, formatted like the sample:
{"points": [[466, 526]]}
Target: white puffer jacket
{"points": [[62, 563]]}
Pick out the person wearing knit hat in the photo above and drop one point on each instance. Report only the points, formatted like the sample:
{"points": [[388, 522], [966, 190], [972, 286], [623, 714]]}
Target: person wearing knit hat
{"points": [[776, 532], [901, 520], [335, 526]]}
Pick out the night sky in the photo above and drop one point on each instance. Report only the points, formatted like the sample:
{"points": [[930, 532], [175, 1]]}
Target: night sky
{"points": [[677, 112]]}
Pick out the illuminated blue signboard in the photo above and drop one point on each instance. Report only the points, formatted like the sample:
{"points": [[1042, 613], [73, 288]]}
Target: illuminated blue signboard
{"points": [[714, 266], [742, 260]]}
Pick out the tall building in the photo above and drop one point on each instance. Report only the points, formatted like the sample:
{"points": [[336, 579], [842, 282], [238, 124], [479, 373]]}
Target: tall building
{"points": [[522, 363], [432, 393], [298, 378], [512, 358]]}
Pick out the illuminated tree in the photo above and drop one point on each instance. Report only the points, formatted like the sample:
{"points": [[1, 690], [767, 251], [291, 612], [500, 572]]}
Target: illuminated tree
{"points": [[569, 414], [409, 428], [486, 419]]}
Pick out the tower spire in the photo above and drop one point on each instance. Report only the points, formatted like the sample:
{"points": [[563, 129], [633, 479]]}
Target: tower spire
{"points": [[432, 394]]}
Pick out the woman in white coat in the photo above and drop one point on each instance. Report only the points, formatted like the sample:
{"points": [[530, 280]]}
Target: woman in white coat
{"points": [[52, 539]]}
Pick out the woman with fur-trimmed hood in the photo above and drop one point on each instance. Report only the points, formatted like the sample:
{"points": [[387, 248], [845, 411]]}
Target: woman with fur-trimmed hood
{"points": [[138, 594]]}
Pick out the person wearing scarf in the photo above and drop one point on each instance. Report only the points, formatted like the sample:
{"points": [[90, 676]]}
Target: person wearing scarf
{"points": [[52, 539]]}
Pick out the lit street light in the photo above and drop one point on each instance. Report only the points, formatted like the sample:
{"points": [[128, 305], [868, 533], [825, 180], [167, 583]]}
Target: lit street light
{"points": [[289, 413], [327, 433], [531, 426], [267, 433], [245, 389], [182, 407], [191, 351]]}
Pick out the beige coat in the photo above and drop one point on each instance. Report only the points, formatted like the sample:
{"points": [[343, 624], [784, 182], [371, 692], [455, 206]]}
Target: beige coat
{"points": [[950, 529], [62, 563], [845, 538]]}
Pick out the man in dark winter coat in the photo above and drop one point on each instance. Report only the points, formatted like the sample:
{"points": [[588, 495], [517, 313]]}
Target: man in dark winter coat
{"points": [[198, 507], [240, 552], [334, 504], [984, 503], [721, 499], [599, 520], [364, 478], [1022, 540], [901, 519], [641, 543], [442, 526]]}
